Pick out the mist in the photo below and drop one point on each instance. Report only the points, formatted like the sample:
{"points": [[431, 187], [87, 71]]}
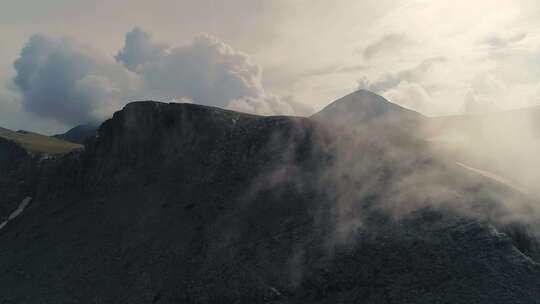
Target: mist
{"points": [[504, 143], [400, 164]]}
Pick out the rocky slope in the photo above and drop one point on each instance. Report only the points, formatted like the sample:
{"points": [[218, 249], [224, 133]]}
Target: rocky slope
{"points": [[179, 203]]}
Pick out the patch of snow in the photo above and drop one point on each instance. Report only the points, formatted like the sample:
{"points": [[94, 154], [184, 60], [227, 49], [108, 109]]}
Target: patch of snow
{"points": [[17, 211], [20, 209]]}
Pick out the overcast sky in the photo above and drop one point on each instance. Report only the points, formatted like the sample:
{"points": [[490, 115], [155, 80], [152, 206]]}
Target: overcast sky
{"points": [[65, 62]]}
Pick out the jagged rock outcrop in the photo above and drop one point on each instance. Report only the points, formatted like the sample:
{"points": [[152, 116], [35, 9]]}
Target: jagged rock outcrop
{"points": [[180, 203]]}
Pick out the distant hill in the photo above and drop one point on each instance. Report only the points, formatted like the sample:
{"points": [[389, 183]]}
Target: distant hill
{"points": [[366, 109], [79, 134], [38, 143]]}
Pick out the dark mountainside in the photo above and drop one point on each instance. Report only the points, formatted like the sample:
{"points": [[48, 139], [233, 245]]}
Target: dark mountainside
{"points": [[180, 203], [78, 134]]}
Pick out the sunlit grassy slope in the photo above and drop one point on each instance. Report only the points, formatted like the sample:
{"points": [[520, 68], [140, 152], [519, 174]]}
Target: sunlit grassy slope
{"points": [[37, 143]]}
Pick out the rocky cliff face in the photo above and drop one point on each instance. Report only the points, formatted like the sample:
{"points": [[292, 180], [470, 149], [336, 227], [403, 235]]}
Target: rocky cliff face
{"points": [[18, 173], [179, 203]]}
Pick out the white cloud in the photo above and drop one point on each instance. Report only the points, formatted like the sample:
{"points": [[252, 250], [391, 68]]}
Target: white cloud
{"points": [[64, 81], [139, 49], [208, 71]]}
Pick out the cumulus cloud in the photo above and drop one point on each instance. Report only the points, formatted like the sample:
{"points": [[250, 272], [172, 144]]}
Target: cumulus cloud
{"points": [[62, 80], [207, 71], [138, 49]]}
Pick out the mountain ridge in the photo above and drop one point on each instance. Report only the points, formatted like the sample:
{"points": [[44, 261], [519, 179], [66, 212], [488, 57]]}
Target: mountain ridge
{"points": [[186, 203]]}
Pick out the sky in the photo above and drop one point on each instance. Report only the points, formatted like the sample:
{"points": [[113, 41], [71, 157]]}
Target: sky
{"points": [[67, 62]]}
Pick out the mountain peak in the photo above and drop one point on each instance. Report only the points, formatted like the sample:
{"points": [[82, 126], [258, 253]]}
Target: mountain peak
{"points": [[365, 107], [362, 92]]}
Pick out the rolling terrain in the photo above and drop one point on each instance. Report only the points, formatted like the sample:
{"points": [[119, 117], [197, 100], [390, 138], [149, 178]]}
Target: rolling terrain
{"points": [[37, 143]]}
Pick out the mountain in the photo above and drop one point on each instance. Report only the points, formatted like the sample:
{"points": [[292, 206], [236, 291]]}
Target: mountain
{"points": [[504, 145], [364, 109], [181, 203], [78, 134], [37, 143]]}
